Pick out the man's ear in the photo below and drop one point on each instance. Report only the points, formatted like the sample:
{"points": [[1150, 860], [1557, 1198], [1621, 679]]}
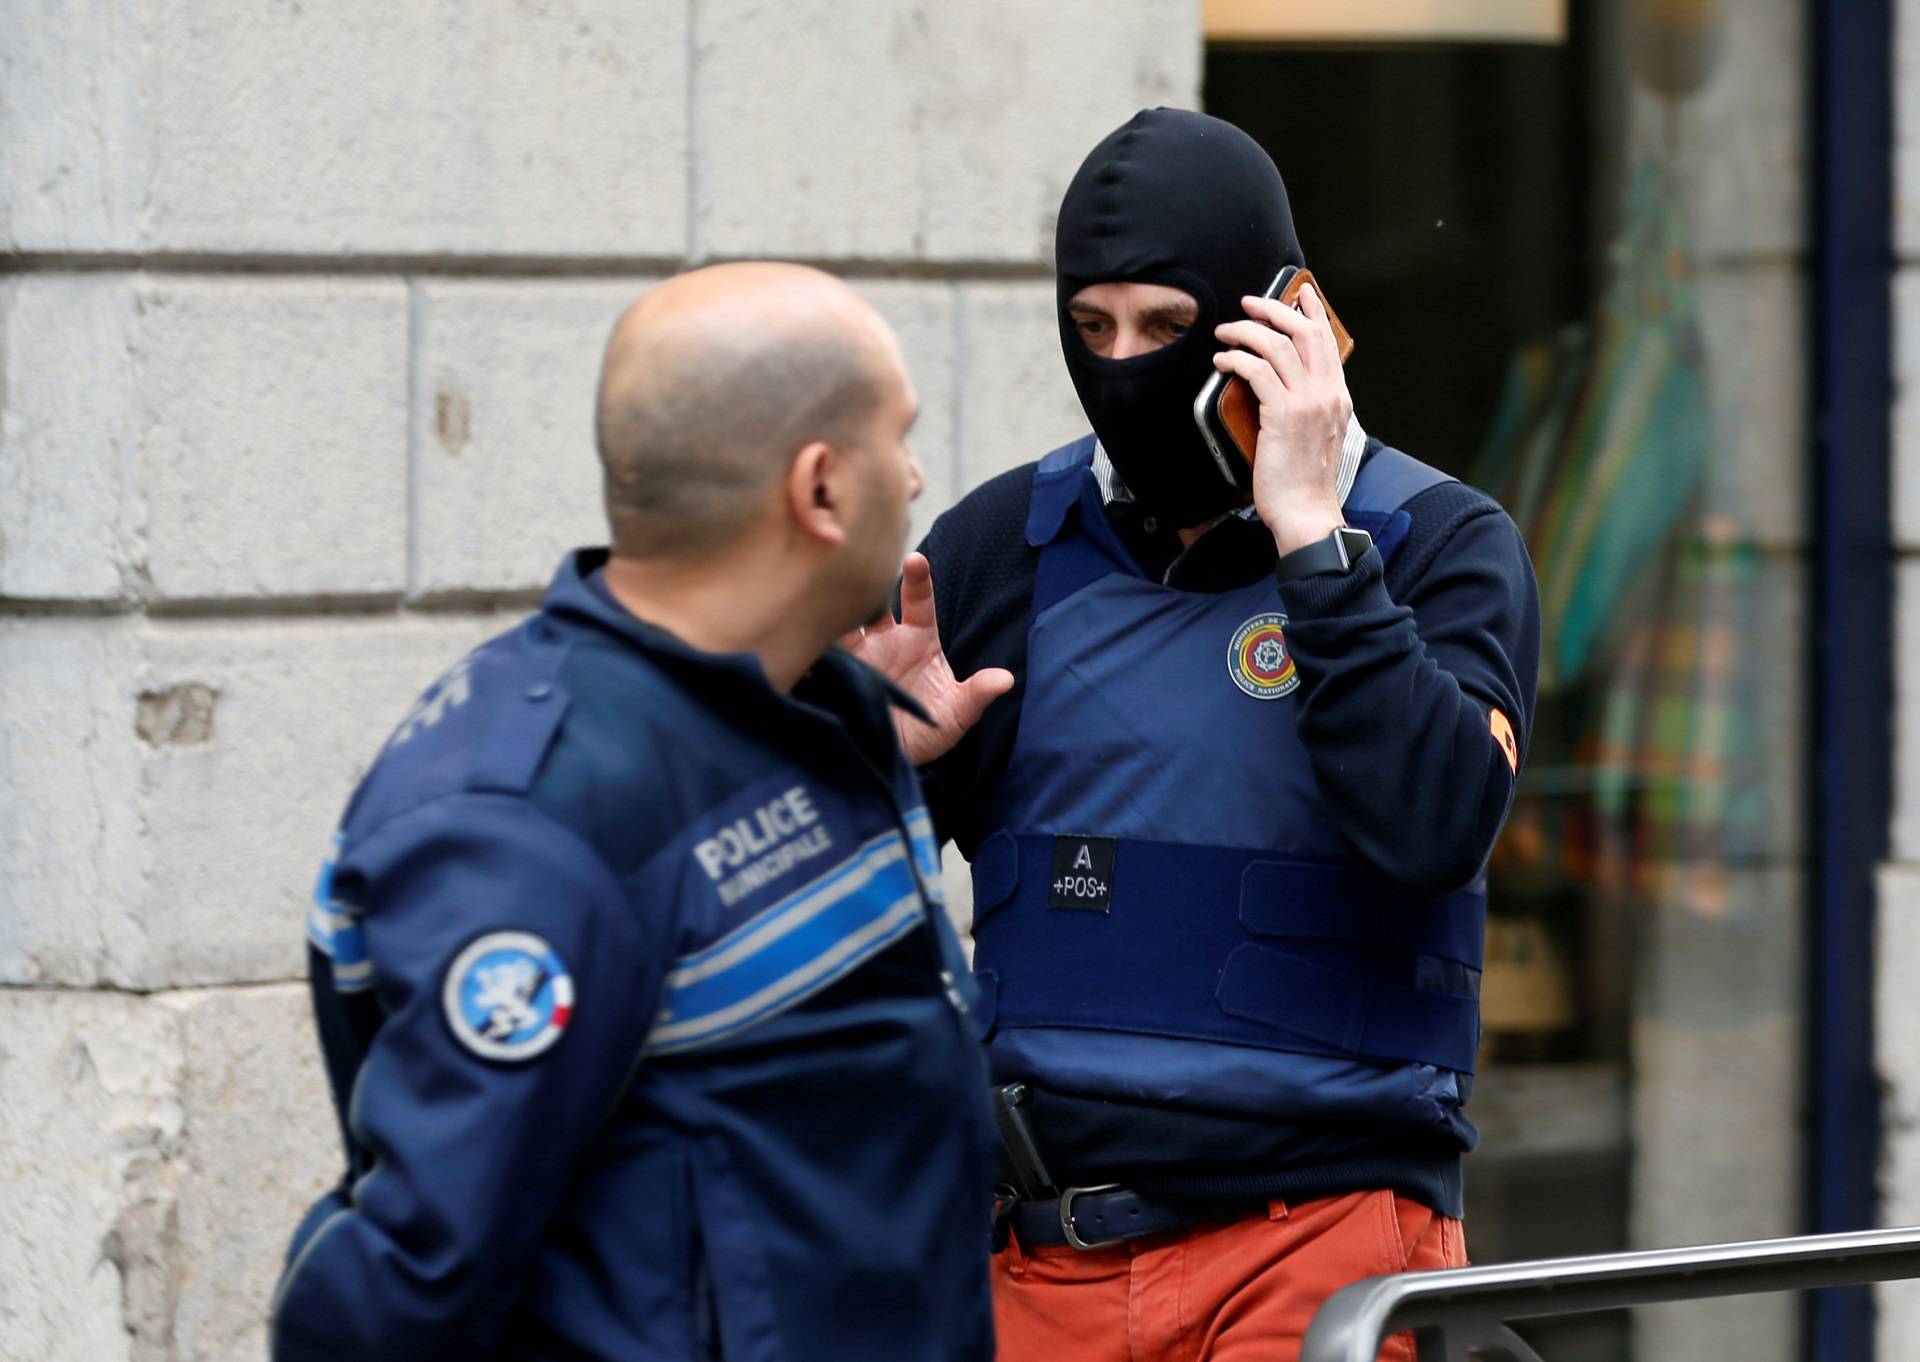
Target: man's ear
{"points": [[817, 487]]}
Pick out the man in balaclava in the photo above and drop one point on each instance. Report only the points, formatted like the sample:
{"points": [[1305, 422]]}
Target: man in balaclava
{"points": [[1228, 829]]}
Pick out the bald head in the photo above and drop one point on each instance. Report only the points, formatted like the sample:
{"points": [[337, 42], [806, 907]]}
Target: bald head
{"points": [[712, 381]]}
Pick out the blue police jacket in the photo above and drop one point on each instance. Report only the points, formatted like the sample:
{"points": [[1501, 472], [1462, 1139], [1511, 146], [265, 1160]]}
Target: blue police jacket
{"points": [[1165, 911], [648, 1035]]}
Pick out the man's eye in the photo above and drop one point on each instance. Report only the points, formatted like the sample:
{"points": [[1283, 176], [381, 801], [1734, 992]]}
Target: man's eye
{"points": [[1175, 330], [1091, 326]]}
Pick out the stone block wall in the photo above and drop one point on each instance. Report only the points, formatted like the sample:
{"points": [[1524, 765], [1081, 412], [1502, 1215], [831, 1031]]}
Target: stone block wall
{"points": [[300, 309]]}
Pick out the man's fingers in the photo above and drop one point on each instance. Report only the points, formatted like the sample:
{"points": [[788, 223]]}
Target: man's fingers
{"points": [[1278, 315], [1266, 385], [1325, 343], [1278, 350], [916, 592], [1307, 323]]}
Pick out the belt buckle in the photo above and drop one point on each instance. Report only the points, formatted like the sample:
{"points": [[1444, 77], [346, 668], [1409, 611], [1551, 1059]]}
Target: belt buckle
{"points": [[1067, 1198]]}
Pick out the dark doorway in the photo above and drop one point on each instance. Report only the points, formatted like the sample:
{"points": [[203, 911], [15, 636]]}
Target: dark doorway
{"points": [[1442, 194]]}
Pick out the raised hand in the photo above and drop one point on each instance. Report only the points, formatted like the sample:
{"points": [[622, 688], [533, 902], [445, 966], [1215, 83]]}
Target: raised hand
{"points": [[908, 652], [1292, 362]]}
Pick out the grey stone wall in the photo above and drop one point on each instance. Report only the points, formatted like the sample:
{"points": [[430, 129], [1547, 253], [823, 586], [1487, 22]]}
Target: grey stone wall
{"points": [[299, 318]]}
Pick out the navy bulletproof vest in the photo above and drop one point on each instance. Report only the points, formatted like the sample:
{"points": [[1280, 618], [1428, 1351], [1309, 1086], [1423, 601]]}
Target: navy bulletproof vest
{"points": [[1161, 861]]}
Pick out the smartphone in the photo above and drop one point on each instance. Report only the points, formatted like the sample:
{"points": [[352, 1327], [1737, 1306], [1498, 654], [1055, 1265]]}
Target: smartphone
{"points": [[1226, 410]]}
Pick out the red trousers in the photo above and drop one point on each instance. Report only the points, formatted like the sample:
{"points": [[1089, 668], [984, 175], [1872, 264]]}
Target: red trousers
{"points": [[1243, 1292]]}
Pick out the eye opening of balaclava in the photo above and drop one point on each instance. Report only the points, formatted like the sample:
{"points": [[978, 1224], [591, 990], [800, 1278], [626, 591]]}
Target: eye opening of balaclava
{"points": [[1181, 199]]}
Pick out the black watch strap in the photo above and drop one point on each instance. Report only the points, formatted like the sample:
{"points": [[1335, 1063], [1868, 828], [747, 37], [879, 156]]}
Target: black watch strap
{"points": [[1338, 552]]}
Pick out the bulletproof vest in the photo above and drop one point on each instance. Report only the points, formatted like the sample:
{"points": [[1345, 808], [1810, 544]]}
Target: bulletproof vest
{"points": [[1160, 861]]}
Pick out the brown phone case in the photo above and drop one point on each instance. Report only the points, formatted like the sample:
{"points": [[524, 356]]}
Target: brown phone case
{"points": [[1239, 409]]}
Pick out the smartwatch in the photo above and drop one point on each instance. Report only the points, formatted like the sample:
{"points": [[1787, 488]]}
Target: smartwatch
{"points": [[1338, 552]]}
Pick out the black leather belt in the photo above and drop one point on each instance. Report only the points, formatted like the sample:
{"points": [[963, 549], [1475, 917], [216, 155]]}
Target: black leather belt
{"points": [[1094, 1217]]}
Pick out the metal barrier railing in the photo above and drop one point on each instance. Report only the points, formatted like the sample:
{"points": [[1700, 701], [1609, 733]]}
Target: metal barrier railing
{"points": [[1460, 1314]]}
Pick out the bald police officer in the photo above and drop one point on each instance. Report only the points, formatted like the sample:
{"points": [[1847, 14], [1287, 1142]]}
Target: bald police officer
{"points": [[647, 1034]]}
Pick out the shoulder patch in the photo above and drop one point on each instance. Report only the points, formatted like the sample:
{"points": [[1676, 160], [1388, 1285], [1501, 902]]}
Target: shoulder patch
{"points": [[1502, 731], [507, 996], [334, 929]]}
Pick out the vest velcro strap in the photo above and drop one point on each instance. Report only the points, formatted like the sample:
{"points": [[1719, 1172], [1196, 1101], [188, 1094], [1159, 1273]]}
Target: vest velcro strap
{"points": [[996, 873], [1358, 1016], [1281, 897], [1309, 901], [986, 984], [1191, 943], [1056, 487]]}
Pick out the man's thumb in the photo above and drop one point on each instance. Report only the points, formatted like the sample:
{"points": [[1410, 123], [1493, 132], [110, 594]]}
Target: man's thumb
{"points": [[982, 689]]}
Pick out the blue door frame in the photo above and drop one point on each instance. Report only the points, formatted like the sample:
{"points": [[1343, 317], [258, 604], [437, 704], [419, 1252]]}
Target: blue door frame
{"points": [[1852, 625]]}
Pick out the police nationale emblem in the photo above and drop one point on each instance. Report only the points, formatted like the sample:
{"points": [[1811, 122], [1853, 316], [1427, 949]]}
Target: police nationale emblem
{"points": [[1258, 660], [507, 996]]}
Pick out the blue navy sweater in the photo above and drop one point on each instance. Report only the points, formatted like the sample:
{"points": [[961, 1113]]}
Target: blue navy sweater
{"points": [[1399, 670], [648, 1037]]}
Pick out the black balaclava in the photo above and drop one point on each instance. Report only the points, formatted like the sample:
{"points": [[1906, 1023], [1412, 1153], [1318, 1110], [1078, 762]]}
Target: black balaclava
{"points": [[1181, 199]]}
